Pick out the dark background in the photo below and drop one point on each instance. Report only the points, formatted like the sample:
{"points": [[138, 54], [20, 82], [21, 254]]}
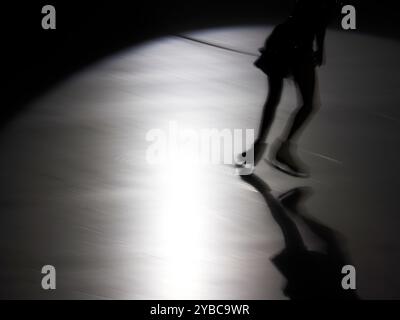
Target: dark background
{"points": [[35, 59]]}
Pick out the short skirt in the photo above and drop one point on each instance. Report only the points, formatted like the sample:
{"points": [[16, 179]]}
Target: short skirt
{"points": [[284, 50]]}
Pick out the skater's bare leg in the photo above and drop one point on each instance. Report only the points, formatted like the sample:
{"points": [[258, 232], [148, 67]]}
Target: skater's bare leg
{"points": [[305, 78], [286, 149], [275, 85]]}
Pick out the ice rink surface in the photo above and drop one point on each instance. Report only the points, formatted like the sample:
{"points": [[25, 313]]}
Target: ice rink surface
{"points": [[78, 193]]}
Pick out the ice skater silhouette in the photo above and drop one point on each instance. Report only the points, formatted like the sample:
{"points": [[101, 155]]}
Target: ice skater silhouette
{"points": [[289, 53]]}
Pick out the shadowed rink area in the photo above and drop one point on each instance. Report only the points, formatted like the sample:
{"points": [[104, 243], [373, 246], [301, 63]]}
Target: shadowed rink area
{"points": [[78, 193]]}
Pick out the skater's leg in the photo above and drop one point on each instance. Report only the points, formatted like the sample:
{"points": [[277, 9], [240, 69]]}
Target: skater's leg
{"points": [[305, 78], [285, 150], [275, 85]]}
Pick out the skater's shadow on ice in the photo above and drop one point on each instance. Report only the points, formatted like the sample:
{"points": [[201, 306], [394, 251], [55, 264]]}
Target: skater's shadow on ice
{"points": [[309, 274]]}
